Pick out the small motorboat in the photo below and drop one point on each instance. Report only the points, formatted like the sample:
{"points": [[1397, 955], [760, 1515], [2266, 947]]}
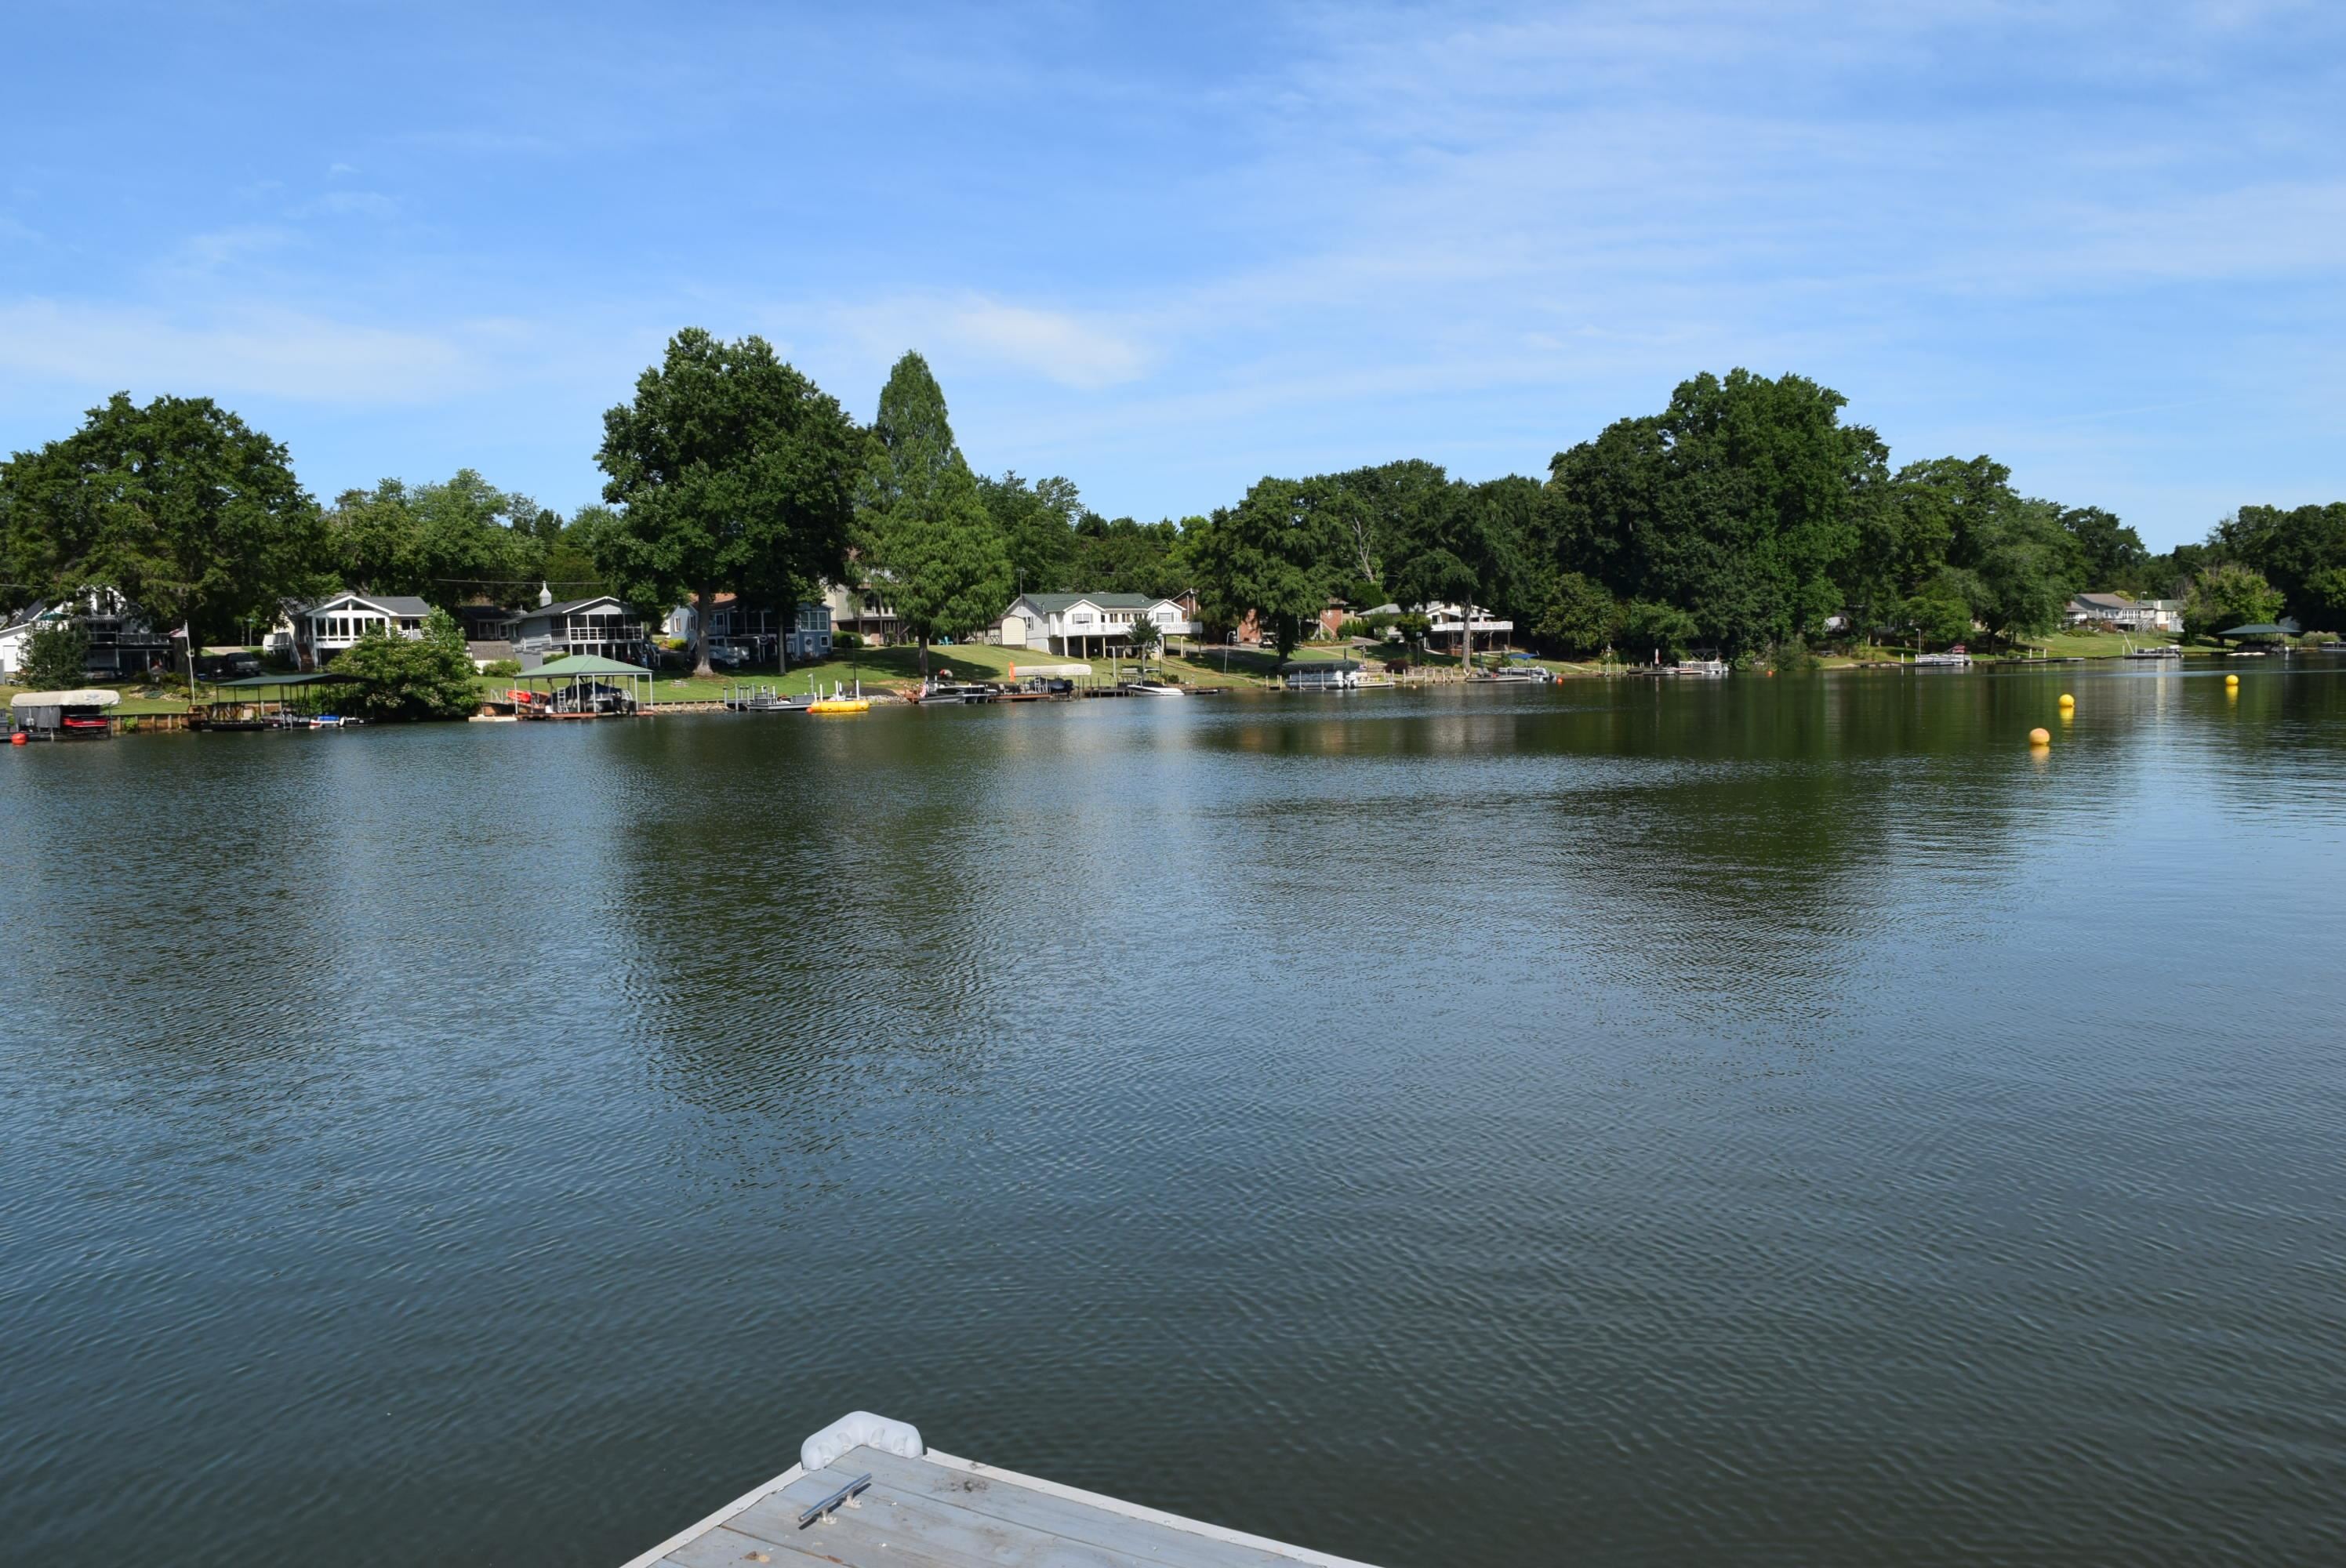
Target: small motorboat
{"points": [[1154, 688]]}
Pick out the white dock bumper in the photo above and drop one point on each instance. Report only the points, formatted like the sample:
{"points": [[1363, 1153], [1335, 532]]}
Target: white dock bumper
{"points": [[859, 1428]]}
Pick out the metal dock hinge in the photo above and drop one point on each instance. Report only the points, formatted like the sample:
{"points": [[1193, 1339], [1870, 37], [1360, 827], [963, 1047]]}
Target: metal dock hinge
{"points": [[843, 1497]]}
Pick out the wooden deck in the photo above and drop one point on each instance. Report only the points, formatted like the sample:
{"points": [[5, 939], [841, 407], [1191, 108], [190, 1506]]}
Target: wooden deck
{"points": [[939, 1511]]}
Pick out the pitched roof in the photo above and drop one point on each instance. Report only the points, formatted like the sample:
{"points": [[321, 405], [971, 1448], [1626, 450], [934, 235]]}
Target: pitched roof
{"points": [[567, 606], [1055, 604], [390, 604], [2106, 601], [582, 664]]}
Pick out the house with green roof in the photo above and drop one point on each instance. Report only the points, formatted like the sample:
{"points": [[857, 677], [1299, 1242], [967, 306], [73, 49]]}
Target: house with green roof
{"points": [[1087, 626]]}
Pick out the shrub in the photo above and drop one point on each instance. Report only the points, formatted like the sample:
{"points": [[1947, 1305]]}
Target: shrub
{"points": [[429, 677], [503, 668], [846, 640], [56, 657]]}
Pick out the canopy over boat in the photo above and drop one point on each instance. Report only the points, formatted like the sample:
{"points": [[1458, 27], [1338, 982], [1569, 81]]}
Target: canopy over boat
{"points": [[581, 663], [90, 698]]}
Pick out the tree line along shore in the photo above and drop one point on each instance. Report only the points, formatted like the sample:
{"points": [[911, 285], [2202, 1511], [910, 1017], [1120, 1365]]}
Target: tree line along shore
{"points": [[1750, 519]]}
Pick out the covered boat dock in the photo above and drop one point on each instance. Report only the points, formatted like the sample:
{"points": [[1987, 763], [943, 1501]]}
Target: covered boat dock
{"points": [[583, 686], [76, 715], [294, 706]]}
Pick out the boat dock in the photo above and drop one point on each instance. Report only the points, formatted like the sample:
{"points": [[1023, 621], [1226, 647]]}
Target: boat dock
{"points": [[875, 1497]]}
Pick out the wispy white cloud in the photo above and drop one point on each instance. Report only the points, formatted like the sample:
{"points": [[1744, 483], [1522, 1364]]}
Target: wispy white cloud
{"points": [[1070, 347], [249, 350]]}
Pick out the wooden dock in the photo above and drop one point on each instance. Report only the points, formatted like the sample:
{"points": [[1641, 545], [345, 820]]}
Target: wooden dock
{"points": [[867, 1508]]}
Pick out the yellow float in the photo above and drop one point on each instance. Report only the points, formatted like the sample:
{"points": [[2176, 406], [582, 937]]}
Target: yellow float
{"points": [[839, 705], [2231, 680], [2040, 735], [2068, 701]]}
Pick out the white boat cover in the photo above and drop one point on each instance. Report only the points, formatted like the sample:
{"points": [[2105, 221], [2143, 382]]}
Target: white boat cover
{"points": [[66, 699]]}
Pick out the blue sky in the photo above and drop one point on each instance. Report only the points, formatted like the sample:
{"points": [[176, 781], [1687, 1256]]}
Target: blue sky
{"points": [[1165, 251]]}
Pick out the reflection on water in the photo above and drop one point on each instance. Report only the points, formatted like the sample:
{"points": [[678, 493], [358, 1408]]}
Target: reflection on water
{"points": [[1762, 1119]]}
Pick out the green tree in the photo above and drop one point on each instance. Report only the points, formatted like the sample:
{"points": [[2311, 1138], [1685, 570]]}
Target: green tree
{"points": [[1038, 529], [1575, 616], [1648, 627], [56, 657], [2110, 556], [450, 543], [1126, 557], [1735, 504], [1145, 636], [1267, 555], [194, 516], [2227, 595], [924, 521], [2026, 567], [2298, 551], [401, 677], [735, 473], [1940, 611]]}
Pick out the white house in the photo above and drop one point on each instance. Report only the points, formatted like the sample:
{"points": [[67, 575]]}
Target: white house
{"points": [[312, 633], [1083, 624], [2128, 615], [1485, 626]]}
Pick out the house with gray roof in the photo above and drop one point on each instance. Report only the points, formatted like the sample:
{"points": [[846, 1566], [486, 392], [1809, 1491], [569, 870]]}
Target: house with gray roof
{"points": [[1087, 624], [601, 628], [313, 633]]}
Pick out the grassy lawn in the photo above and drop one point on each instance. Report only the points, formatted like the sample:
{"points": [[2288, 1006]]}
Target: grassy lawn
{"points": [[137, 699]]}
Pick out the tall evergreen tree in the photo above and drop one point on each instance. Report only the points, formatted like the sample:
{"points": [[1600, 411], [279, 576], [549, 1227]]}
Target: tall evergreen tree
{"points": [[924, 525]]}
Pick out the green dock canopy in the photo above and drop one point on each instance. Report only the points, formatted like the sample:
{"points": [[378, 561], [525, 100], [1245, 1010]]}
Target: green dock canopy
{"points": [[582, 665], [255, 681], [2261, 629]]}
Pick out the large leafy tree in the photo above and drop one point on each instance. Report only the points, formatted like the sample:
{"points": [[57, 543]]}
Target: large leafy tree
{"points": [[2229, 595], [1734, 503], [2300, 552], [735, 473], [1124, 556], [1269, 554], [450, 543], [924, 524], [1038, 528], [1465, 546], [2110, 556], [190, 513]]}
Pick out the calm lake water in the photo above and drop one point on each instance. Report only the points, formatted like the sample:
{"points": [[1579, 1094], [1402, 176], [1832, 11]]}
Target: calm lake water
{"points": [[1759, 1120]]}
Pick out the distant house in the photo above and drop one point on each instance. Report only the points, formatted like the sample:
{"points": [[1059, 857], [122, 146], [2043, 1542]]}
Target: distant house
{"points": [[750, 629], [1083, 624], [1487, 629], [863, 611], [2126, 614], [602, 626], [120, 640], [312, 633]]}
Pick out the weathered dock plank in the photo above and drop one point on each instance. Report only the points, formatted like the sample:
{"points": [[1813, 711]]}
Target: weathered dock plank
{"points": [[1130, 1538], [935, 1510]]}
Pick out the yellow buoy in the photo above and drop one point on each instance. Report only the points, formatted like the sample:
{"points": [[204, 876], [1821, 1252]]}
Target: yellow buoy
{"points": [[2040, 736], [2068, 701], [2231, 680]]}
